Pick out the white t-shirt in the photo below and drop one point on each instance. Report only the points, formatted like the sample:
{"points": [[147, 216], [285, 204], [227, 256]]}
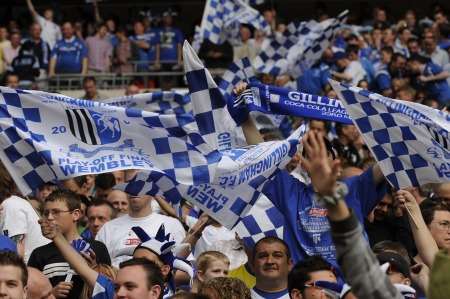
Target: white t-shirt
{"points": [[356, 71], [51, 32], [120, 240], [19, 218]]}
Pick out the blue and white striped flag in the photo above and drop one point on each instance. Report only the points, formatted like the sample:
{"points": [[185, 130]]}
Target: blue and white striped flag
{"points": [[222, 18], [410, 141], [298, 46], [46, 137], [162, 102]]}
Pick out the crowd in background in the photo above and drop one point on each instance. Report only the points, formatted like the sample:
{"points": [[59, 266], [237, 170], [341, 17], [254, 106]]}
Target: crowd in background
{"points": [[406, 59]]}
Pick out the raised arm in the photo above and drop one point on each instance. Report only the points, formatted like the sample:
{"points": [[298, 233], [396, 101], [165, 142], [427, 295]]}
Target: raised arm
{"points": [[251, 133], [32, 9], [426, 245], [75, 260], [98, 18]]}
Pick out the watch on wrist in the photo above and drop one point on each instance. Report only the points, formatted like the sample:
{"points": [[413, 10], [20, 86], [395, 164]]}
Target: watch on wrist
{"points": [[339, 193]]}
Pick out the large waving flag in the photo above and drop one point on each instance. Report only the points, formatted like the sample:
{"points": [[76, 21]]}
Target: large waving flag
{"points": [[238, 71], [163, 102], [299, 46], [222, 18], [410, 141], [46, 137]]}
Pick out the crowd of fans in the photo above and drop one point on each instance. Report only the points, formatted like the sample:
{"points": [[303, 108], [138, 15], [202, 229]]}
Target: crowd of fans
{"points": [[346, 233]]}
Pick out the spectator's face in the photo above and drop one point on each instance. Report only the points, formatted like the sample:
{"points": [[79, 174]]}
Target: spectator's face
{"points": [[3, 33], [405, 95], [12, 81], [48, 14], [312, 291], [399, 63], [414, 67], [132, 90], [406, 34], [11, 285], [167, 21], [429, 42], [15, 40], [383, 208], [215, 269], [318, 126], [342, 63], [245, 33], [350, 132], [97, 216], [414, 47], [138, 203], [102, 193], [440, 18], [151, 256], [102, 31], [388, 36], [111, 25], [443, 191], [119, 200], [440, 229], [131, 283], [138, 28], [67, 30], [380, 15], [396, 277], [270, 262], [72, 186], [269, 16], [410, 19], [58, 212], [45, 191], [90, 181], [35, 31], [90, 89], [119, 176]]}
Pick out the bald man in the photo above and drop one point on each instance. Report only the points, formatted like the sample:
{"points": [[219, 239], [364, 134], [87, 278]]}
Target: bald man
{"points": [[39, 286], [119, 200]]}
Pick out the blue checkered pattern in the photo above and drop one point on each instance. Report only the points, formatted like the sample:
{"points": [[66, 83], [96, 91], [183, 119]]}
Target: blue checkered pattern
{"points": [[408, 140], [33, 150], [221, 20], [240, 70], [162, 102], [299, 45], [208, 104]]}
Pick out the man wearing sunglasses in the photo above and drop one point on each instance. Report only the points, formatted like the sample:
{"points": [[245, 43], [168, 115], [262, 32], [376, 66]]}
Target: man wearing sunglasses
{"points": [[62, 207]]}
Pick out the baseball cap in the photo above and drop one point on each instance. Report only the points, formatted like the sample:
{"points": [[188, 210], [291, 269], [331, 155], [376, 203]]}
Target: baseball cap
{"points": [[339, 55], [395, 261], [6, 244]]}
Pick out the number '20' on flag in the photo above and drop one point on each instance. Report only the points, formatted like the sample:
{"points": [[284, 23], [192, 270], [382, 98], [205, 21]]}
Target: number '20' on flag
{"points": [[410, 141], [46, 137]]}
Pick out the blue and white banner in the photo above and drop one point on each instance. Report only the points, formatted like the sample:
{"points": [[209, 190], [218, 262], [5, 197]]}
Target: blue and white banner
{"points": [[241, 175], [222, 18], [278, 100], [298, 47], [48, 137], [410, 141], [163, 102]]}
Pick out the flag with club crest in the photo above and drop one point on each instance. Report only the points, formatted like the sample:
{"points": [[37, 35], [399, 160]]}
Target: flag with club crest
{"points": [[163, 102], [222, 18], [47, 137], [299, 46], [410, 141]]}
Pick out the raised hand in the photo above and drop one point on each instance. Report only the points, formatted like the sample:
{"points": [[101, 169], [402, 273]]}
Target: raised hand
{"points": [[239, 88], [62, 289], [320, 167]]}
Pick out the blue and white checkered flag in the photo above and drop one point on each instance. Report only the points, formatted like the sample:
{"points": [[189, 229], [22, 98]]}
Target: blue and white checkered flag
{"points": [[162, 102], [209, 106], [46, 137], [410, 141], [298, 46], [222, 18], [240, 70]]}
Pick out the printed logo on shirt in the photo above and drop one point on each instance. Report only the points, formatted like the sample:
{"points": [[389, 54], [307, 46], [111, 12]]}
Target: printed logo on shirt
{"points": [[317, 212], [132, 241]]}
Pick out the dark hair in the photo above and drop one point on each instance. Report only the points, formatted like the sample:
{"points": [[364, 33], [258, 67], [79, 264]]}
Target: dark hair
{"points": [[429, 206], [105, 180], [387, 49], [299, 275], [391, 246], [271, 240], [79, 180], [152, 271], [9, 258], [9, 74], [7, 185], [351, 49], [419, 58], [89, 78], [397, 56], [97, 202], [444, 29], [71, 199], [412, 40]]}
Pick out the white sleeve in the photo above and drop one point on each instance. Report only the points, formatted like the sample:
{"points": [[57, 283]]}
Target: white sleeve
{"points": [[102, 237], [15, 219], [177, 231], [40, 20]]}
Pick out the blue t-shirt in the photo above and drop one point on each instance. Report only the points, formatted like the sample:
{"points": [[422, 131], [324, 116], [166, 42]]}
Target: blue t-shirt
{"points": [[170, 38], [314, 79], [69, 55], [440, 88], [307, 230], [382, 77], [104, 288]]}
